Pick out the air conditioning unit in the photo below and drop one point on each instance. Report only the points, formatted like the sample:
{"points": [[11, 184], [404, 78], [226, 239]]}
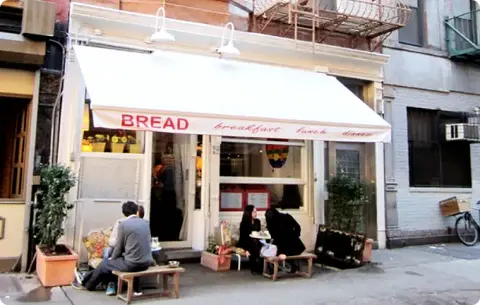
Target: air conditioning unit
{"points": [[38, 19], [462, 132]]}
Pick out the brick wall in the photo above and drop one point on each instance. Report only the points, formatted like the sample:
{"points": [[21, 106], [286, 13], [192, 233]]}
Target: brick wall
{"points": [[219, 12], [418, 211], [204, 11], [49, 82], [332, 39]]}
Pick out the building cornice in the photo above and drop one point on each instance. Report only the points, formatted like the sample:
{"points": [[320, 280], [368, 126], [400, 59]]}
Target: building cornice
{"points": [[127, 28], [15, 48]]}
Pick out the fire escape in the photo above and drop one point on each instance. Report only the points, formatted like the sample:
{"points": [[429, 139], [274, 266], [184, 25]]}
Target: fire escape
{"points": [[463, 37], [369, 20]]}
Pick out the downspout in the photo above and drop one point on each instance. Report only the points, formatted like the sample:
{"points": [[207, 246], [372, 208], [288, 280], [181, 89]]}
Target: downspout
{"points": [[55, 118], [387, 225]]}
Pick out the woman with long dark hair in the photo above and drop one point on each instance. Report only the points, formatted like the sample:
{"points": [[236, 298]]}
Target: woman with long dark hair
{"points": [[285, 232], [251, 246]]}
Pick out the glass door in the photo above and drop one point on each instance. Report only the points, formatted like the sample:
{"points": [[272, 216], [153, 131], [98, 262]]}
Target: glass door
{"points": [[346, 159], [172, 195]]}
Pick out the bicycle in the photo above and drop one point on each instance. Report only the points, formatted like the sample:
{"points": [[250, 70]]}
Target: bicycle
{"points": [[469, 227]]}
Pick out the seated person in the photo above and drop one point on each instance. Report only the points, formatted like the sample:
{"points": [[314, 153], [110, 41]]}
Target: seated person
{"points": [[107, 252], [251, 246], [141, 211], [285, 232], [132, 252]]}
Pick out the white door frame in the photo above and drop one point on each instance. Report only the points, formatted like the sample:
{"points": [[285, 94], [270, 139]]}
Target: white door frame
{"points": [[189, 188], [214, 184]]}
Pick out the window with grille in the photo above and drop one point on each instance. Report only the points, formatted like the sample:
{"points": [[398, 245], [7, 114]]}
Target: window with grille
{"points": [[433, 161]]}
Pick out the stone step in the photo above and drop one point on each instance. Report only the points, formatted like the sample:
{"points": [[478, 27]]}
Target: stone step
{"points": [[183, 254]]}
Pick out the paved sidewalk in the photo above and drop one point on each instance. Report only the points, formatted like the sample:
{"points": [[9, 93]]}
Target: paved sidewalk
{"points": [[440, 274]]}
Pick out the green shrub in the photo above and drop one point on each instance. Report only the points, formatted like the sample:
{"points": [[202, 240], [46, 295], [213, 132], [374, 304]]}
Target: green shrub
{"points": [[55, 182]]}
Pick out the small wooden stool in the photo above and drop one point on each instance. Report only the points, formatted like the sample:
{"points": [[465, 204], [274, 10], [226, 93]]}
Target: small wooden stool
{"points": [[164, 271], [275, 261]]}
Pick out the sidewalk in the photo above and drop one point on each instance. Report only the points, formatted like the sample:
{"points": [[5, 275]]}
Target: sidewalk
{"points": [[442, 274]]}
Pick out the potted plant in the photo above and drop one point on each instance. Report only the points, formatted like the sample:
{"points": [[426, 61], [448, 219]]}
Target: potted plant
{"points": [[55, 263], [216, 257], [98, 143], [118, 143], [133, 145], [341, 244]]}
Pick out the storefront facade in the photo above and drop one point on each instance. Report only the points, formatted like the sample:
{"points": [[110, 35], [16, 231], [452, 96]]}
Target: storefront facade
{"points": [[230, 132]]}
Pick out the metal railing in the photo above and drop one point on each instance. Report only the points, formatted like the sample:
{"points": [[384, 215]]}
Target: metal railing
{"points": [[462, 35]]}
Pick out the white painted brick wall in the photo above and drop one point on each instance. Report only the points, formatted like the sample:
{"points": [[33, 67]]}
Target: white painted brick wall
{"points": [[419, 211]]}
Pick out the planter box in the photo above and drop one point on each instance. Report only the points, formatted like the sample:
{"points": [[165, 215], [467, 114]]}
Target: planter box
{"points": [[56, 270], [339, 249], [212, 261]]}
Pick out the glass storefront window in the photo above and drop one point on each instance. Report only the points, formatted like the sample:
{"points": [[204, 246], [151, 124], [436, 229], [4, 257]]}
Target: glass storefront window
{"points": [[260, 160], [262, 172], [234, 197], [105, 140]]}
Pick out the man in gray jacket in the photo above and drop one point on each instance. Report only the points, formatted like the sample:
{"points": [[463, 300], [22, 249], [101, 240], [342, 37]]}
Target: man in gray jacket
{"points": [[132, 252]]}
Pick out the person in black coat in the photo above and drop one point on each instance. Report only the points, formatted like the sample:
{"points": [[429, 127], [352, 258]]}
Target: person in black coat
{"points": [[285, 232], [251, 246]]}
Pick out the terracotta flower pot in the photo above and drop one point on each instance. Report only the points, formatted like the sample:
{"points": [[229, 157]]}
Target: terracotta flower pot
{"points": [[367, 251], [56, 270], [212, 261]]}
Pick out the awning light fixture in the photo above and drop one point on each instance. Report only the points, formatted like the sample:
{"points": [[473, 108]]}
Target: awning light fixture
{"points": [[228, 49], [161, 35]]}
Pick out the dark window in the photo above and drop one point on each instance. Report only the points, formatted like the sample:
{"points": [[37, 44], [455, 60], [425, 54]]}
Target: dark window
{"points": [[433, 161], [412, 32], [10, 19]]}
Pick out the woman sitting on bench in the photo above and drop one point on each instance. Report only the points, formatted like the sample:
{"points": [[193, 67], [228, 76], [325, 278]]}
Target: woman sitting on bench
{"points": [[251, 246], [285, 232]]}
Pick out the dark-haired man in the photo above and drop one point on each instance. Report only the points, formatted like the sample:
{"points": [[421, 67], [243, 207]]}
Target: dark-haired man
{"points": [[132, 252]]}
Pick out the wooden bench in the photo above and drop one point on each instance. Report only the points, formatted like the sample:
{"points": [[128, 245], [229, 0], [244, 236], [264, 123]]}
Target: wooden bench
{"points": [[276, 260], [164, 271]]}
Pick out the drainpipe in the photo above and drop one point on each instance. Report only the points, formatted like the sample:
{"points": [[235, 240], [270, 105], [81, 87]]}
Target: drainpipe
{"points": [[55, 119]]}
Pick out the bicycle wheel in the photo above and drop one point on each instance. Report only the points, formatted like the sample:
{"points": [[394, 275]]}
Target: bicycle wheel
{"points": [[466, 230]]}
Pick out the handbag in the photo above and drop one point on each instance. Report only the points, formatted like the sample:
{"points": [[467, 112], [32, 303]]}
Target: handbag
{"points": [[268, 250]]}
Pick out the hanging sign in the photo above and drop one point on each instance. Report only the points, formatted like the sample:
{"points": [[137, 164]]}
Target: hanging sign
{"points": [[277, 154]]}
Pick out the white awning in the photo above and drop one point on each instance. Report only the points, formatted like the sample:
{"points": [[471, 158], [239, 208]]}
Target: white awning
{"points": [[184, 93]]}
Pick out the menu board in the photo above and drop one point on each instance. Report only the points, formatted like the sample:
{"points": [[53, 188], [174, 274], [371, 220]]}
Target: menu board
{"points": [[261, 200], [231, 201]]}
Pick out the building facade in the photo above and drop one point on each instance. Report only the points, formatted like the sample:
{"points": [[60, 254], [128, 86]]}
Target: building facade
{"points": [[31, 65], [431, 81], [217, 171]]}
